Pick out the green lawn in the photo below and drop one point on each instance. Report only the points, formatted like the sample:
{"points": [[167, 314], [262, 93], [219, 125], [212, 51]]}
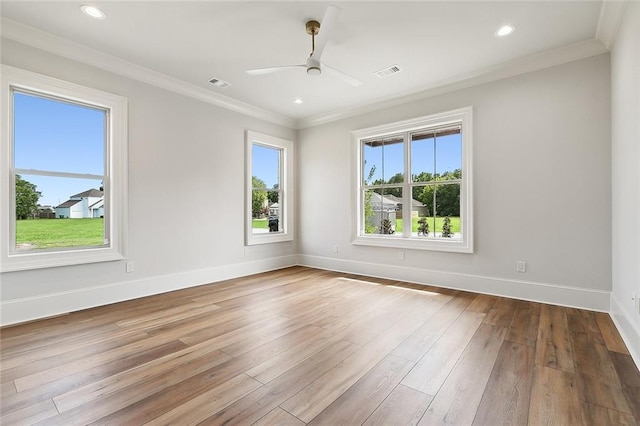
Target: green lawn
{"points": [[260, 223], [455, 224], [54, 233]]}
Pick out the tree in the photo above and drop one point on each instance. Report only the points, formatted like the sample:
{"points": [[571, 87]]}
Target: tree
{"points": [[26, 198], [387, 227], [448, 200], [369, 227], [423, 226], [446, 228], [273, 195], [397, 178], [258, 197]]}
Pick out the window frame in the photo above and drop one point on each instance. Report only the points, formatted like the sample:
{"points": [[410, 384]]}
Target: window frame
{"points": [[115, 172], [285, 189], [464, 116]]}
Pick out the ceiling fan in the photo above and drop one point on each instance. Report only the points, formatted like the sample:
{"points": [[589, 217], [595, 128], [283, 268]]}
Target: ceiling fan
{"points": [[314, 65]]}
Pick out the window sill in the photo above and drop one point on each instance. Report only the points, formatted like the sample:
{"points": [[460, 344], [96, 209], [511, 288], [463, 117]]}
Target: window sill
{"points": [[440, 244], [48, 259], [267, 238]]}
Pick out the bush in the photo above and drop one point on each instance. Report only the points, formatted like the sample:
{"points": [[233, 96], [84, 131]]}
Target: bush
{"points": [[446, 228]]}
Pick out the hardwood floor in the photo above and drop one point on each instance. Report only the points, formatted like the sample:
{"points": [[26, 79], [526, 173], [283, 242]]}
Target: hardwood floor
{"points": [[301, 345]]}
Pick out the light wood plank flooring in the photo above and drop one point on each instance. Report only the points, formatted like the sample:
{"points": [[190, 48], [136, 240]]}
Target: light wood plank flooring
{"points": [[300, 345]]}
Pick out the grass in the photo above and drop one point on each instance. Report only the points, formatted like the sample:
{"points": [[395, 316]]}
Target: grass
{"points": [[455, 224], [260, 223], [57, 233]]}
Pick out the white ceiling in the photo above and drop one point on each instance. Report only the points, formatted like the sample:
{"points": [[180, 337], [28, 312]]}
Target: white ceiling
{"points": [[435, 43]]}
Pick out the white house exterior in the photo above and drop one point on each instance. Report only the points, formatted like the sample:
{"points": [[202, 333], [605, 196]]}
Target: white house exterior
{"points": [[87, 204]]}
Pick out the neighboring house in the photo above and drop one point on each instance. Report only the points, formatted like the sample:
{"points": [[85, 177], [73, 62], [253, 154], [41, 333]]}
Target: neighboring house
{"points": [[418, 209], [274, 209], [390, 207], [87, 204], [389, 203]]}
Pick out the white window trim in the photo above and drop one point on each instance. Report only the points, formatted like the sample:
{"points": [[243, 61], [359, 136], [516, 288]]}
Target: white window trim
{"points": [[286, 179], [464, 245], [116, 170]]}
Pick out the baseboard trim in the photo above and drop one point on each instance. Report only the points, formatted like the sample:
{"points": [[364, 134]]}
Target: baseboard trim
{"points": [[630, 333], [28, 309], [33, 308], [595, 300]]}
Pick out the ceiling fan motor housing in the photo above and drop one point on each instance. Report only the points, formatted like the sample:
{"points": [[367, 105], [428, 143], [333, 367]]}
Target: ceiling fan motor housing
{"points": [[313, 67]]}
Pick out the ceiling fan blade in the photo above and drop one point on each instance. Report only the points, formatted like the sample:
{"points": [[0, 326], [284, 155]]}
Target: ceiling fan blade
{"points": [[269, 70], [326, 26], [337, 73]]}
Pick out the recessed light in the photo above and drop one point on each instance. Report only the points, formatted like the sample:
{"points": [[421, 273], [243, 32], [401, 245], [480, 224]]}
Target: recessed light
{"points": [[504, 30], [93, 12], [297, 101]]}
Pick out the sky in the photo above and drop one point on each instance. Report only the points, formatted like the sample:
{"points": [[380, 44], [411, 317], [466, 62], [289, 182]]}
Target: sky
{"points": [[265, 164], [389, 159], [51, 135]]}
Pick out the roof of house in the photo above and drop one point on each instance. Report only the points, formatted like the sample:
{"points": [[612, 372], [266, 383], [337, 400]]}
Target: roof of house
{"points": [[398, 200], [68, 203], [389, 199], [97, 204], [387, 202], [89, 193]]}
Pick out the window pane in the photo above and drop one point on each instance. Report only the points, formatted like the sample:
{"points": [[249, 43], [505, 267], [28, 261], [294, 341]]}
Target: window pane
{"points": [[53, 135], [383, 161], [423, 223], [269, 216], [448, 206], [382, 211], [275, 212], [449, 156], [422, 158], [266, 165], [63, 213], [438, 202]]}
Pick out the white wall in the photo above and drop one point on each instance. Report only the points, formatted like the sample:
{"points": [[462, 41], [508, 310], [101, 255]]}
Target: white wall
{"points": [[625, 99], [542, 185], [184, 156]]}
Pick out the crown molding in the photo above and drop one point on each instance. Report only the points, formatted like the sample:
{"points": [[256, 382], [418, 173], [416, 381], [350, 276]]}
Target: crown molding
{"points": [[513, 68], [611, 14], [42, 40], [609, 22]]}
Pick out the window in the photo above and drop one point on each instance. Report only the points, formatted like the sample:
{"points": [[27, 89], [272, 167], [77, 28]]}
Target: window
{"points": [[269, 183], [414, 183], [64, 172]]}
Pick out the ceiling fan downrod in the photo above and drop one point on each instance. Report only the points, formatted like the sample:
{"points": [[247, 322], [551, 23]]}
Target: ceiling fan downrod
{"points": [[313, 66]]}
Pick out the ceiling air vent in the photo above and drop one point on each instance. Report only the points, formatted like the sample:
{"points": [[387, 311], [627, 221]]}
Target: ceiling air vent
{"points": [[393, 69], [219, 83]]}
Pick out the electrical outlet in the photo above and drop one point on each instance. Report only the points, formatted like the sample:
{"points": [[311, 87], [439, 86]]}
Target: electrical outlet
{"points": [[334, 248], [521, 266], [131, 266], [401, 255]]}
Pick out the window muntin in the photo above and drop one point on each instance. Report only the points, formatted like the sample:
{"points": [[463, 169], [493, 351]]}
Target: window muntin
{"points": [[67, 140], [437, 192], [269, 212]]}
